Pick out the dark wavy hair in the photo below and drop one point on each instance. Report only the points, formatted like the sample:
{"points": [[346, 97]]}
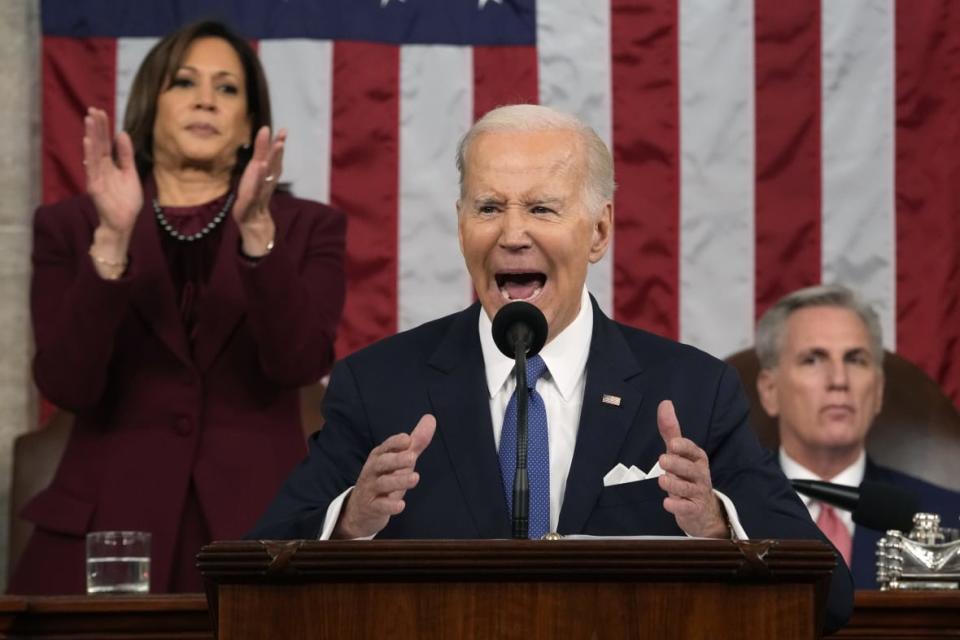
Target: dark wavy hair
{"points": [[157, 72]]}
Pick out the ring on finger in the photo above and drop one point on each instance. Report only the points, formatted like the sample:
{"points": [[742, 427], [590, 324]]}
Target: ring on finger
{"points": [[269, 178]]}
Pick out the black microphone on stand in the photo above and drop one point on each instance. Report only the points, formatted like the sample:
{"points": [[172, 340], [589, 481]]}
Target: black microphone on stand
{"points": [[520, 330], [875, 505]]}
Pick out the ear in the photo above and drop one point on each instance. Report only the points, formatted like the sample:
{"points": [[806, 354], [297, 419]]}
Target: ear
{"points": [[882, 384], [767, 390], [460, 224], [602, 233]]}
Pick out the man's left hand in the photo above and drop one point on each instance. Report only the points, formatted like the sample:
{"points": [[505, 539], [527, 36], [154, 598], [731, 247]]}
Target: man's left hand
{"points": [[686, 479]]}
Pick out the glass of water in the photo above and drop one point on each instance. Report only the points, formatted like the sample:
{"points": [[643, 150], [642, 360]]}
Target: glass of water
{"points": [[118, 562]]}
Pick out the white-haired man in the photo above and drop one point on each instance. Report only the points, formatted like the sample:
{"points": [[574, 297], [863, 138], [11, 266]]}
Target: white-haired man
{"points": [[821, 376], [420, 436]]}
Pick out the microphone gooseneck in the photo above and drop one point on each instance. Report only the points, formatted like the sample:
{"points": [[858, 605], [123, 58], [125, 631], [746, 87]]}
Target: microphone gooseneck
{"points": [[520, 330]]}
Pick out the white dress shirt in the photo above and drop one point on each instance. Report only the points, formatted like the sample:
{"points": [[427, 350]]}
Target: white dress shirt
{"points": [[852, 476], [561, 388]]}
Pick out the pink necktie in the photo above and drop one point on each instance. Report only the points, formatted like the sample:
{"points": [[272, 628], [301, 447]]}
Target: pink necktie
{"points": [[836, 531]]}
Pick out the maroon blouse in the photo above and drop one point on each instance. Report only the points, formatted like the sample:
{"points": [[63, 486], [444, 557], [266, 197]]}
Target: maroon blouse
{"points": [[191, 262]]}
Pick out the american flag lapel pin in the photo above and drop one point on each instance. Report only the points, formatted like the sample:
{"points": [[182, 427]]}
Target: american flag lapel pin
{"points": [[611, 400]]}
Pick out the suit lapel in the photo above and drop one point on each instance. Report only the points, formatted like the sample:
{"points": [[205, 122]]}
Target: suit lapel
{"points": [[223, 302], [603, 427], [459, 395], [154, 298]]}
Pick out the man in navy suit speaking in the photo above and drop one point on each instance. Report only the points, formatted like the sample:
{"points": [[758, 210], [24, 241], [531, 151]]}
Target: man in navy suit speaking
{"points": [[642, 435]]}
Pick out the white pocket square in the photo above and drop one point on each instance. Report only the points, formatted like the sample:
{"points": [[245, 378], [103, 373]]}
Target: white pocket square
{"points": [[621, 474]]}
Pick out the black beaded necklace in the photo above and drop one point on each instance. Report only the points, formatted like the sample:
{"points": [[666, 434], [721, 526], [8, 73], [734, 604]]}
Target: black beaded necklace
{"points": [[162, 220]]}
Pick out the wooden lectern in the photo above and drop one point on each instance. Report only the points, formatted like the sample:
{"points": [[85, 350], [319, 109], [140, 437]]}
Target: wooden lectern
{"points": [[517, 589]]}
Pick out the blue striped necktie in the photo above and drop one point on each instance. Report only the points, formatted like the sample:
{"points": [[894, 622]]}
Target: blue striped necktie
{"points": [[538, 451]]}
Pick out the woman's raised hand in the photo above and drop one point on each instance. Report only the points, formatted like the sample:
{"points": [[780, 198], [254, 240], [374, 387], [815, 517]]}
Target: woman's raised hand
{"points": [[259, 180], [114, 186]]}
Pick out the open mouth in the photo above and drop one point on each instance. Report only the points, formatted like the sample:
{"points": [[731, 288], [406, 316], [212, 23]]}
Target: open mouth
{"points": [[525, 285]]}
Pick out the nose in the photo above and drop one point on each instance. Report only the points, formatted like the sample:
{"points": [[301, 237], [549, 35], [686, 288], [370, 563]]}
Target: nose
{"points": [[205, 96], [513, 230], [839, 377]]}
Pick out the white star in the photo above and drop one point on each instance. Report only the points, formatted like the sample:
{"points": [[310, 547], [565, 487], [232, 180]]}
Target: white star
{"points": [[483, 3], [384, 3]]}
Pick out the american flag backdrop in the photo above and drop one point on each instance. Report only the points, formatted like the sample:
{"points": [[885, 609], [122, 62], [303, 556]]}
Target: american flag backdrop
{"points": [[760, 145]]}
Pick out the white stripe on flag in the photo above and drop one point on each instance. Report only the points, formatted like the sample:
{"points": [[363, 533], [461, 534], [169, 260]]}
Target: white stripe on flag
{"points": [[573, 49], [130, 53], [859, 246], [436, 109], [717, 174], [300, 76]]}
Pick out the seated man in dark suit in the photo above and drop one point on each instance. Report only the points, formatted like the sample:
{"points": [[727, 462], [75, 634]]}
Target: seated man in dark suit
{"points": [[414, 422], [821, 361]]}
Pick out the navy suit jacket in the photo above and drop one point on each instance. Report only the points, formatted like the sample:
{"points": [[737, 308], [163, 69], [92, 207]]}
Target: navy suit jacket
{"points": [[932, 499], [438, 368]]}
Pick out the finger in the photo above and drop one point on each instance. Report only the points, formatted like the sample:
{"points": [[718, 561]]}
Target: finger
{"points": [[279, 145], [686, 448], [125, 151], [398, 482], [386, 506], [396, 442], [275, 162], [385, 463], [681, 507], [89, 130], [261, 144], [103, 132], [89, 166], [422, 434], [682, 467], [678, 488], [667, 421], [91, 138]]}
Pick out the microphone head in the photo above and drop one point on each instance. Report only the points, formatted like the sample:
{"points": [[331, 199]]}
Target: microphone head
{"points": [[875, 505], [885, 506], [524, 316]]}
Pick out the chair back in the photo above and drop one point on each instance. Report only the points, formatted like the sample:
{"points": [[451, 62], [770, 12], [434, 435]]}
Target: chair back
{"points": [[37, 453], [917, 431], [36, 456]]}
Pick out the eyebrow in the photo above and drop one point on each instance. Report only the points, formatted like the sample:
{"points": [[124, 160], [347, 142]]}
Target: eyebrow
{"points": [[485, 200], [218, 74], [846, 353]]}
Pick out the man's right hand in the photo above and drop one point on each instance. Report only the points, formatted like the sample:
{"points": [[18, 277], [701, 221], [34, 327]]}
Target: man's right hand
{"points": [[385, 478]]}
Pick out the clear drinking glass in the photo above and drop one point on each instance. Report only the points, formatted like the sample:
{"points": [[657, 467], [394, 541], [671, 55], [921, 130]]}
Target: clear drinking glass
{"points": [[118, 562]]}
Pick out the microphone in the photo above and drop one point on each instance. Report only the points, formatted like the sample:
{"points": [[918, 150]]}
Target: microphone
{"points": [[520, 330], [875, 505], [519, 324]]}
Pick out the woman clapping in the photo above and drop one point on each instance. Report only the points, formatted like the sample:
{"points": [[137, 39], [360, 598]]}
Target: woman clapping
{"points": [[177, 309]]}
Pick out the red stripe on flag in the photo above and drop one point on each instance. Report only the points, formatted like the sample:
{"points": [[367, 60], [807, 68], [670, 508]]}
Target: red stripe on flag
{"points": [[928, 188], [788, 109], [76, 74], [646, 143], [364, 181], [503, 75]]}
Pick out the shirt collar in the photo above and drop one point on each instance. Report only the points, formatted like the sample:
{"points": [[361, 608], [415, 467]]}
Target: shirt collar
{"points": [[852, 476], [565, 355]]}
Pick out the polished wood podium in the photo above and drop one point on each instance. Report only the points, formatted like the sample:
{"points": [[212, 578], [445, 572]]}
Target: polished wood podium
{"points": [[594, 588]]}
